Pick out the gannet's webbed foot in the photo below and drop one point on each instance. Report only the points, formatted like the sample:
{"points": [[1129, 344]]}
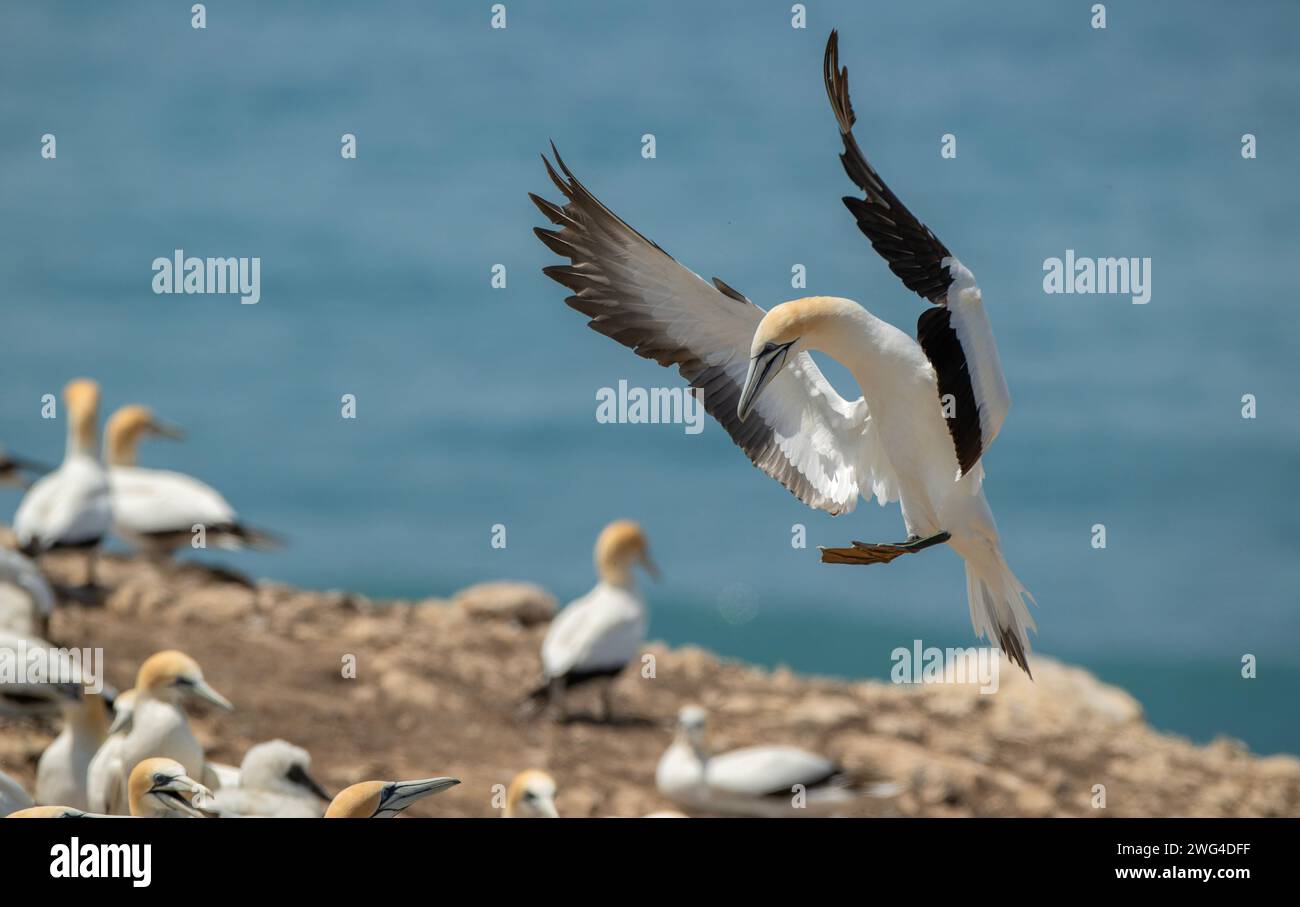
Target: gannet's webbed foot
{"points": [[883, 553]]}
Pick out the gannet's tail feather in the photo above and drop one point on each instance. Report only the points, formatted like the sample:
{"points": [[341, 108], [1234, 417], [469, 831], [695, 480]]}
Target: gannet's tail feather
{"points": [[997, 606]]}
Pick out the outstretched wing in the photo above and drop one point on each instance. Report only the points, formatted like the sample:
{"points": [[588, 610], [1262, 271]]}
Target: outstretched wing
{"points": [[955, 334], [802, 433]]}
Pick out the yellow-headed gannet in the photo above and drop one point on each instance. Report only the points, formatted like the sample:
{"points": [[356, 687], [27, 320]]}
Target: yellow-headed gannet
{"points": [[33, 696], [274, 781], [62, 770], [158, 727], [70, 507], [26, 600], [752, 781], [159, 788], [13, 796], [13, 470], [531, 795], [56, 812], [383, 799], [595, 636], [928, 411], [157, 509]]}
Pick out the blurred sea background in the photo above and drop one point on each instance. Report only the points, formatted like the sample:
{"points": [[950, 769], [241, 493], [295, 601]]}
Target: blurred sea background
{"points": [[476, 406]]}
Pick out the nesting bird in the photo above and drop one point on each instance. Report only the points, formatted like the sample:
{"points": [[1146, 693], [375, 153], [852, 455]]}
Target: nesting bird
{"points": [[157, 510], [274, 781], [383, 799], [158, 727], [765, 781], [930, 407], [597, 635], [71, 507], [159, 788], [531, 795], [61, 773]]}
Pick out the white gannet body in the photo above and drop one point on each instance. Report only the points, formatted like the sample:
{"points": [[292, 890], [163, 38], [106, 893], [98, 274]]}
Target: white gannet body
{"points": [[383, 799], [64, 766], [70, 507], [158, 727], [929, 409], [12, 796], [274, 781], [38, 696], [159, 788], [769, 781], [531, 795], [597, 635], [157, 510], [26, 600]]}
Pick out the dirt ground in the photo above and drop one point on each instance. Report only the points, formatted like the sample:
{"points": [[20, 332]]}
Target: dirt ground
{"points": [[438, 686]]}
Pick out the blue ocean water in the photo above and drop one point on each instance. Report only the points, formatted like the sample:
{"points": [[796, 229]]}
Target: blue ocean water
{"points": [[476, 406]]}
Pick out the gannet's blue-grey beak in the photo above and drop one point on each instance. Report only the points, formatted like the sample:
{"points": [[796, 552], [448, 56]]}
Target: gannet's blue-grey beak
{"points": [[762, 369]]}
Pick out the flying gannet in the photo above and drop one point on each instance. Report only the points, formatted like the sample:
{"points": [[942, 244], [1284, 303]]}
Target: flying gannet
{"points": [[70, 507], [531, 795], [26, 600], [274, 781], [596, 636], [13, 469], [752, 781], [13, 796], [157, 727], [157, 510], [159, 788], [63, 767], [383, 799], [929, 409]]}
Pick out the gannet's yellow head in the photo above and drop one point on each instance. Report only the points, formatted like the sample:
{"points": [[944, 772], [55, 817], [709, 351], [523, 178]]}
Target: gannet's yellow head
{"points": [[81, 397], [531, 796], [383, 799], [52, 812], [173, 676], [620, 545], [785, 331], [158, 787], [125, 428], [692, 722]]}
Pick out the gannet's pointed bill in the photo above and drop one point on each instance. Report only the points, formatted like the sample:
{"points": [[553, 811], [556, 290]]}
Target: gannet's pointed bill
{"points": [[158, 786], [955, 334], [764, 365], [301, 777], [383, 799]]}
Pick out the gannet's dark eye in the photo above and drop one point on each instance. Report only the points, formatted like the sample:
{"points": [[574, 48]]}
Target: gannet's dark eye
{"points": [[769, 347], [160, 778]]}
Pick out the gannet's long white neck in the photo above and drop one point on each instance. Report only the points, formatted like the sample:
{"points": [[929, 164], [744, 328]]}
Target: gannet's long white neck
{"points": [[868, 347]]}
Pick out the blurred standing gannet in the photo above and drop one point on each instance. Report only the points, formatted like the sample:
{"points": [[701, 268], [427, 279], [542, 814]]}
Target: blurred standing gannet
{"points": [[753, 781], [159, 788], [929, 409], [26, 600], [70, 507], [12, 796], [157, 509], [596, 636], [383, 799], [274, 781], [158, 727], [63, 768], [531, 795]]}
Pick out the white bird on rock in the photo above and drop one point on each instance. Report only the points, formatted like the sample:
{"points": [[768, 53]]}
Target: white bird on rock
{"points": [[596, 636], [274, 781], [770, 781], [929, 410], [64, 767], [157, 509], [70, 507]]}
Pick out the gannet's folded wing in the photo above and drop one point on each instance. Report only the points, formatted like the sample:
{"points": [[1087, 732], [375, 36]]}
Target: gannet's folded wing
{"points": [[955, 334], [762, 771], [602, 630], [801, 432]]}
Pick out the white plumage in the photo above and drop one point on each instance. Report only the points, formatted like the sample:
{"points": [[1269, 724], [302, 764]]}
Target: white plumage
{"points": [[26, 600], [63, 769], [274, 782]]}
